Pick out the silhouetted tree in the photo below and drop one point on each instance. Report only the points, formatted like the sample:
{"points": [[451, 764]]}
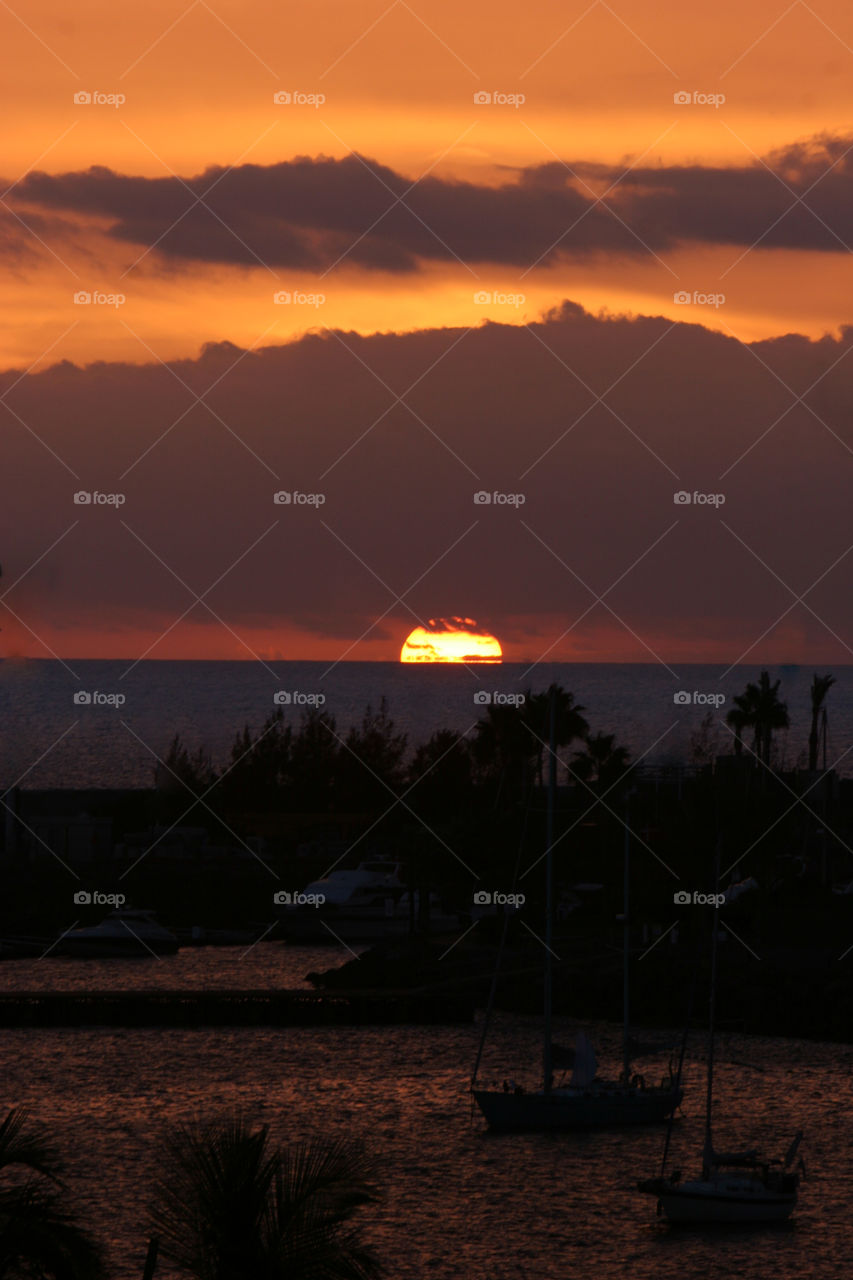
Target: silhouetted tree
{"points": [[601, 763], [704, 743], [569, 722], [39, 1239], [260, 766], [182, 773], [314, 761], [504, 749], [820, 687], [763, 711], [370, 764], [440, 775], [738, 719], [228, 1205]]}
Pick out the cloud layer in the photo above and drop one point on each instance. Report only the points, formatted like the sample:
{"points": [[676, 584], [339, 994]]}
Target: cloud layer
{"points": [[594, 422], [311, 213]]}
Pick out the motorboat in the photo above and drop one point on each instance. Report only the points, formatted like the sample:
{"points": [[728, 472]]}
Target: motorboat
{"points": [[366, 903], [125, 932]]}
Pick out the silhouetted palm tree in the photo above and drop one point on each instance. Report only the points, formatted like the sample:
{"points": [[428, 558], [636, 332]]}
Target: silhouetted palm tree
{"points": [[569, 722], [764, 712], [503, 749], [821, 686], [39, 1239], [601, 763], [229, 1206], [739, 718]]}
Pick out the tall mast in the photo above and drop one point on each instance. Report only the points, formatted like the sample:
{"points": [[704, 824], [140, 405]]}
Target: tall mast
{"points": [[708, 1151], [549, 884], [626, 942]]}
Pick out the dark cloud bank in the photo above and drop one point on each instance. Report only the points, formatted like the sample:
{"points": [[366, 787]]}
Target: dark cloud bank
{"points": [[498, 413]]}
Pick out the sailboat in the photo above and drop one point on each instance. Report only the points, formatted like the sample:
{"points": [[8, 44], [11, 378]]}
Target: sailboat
{"points": [[585, 1102], [734, 1187]]}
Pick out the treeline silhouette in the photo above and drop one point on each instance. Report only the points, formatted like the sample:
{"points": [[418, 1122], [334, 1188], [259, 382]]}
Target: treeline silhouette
{"points": [[313, 767]]}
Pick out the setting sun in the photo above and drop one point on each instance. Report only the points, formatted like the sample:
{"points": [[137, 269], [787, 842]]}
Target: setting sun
{"points": [[451, 640]]}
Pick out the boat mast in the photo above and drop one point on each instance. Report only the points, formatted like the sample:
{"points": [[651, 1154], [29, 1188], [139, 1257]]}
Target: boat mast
{"points": [[549, 884], [707, 1154], [626, 941]]}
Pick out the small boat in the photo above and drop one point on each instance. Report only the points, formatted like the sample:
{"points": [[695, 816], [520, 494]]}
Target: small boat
{"points": [[585, 1103], [366, 903], [126, 932], [738, 1187], [733, 1188]]}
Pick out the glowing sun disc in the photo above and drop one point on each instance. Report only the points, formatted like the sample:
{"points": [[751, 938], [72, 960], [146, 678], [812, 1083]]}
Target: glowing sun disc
{"points": [[451, 640]]}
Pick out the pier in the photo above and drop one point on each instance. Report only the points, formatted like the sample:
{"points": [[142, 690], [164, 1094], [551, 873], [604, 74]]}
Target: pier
{"points": [[259, 1008]]}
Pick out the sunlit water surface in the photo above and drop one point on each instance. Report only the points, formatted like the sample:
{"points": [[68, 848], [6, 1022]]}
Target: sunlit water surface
{"points": [[458, 1203]]}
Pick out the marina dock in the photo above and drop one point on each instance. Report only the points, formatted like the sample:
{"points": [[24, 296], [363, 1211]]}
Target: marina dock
{"points": [[259, 1008]]}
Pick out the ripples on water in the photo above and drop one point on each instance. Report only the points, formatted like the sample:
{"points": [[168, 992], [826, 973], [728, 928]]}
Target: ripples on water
{"points": [[209, 702], [459, 1203], [264, 965]]}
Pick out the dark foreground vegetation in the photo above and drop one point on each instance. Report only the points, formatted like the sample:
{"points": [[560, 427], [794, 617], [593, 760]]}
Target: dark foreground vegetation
{"points": [[227, 1204], [466, 815]]}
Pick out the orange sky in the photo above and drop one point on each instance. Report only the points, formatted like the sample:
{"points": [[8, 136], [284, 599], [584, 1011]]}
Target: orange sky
{"points": [[399, 82]]}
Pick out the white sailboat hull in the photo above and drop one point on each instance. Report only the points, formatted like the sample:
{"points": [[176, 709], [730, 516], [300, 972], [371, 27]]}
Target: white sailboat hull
{"points": [[727, 1200], [591, 1108]]}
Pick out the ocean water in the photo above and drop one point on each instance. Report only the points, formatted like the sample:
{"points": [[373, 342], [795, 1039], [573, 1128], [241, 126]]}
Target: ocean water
{"points": [[458, 1204], [49, 740]]}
